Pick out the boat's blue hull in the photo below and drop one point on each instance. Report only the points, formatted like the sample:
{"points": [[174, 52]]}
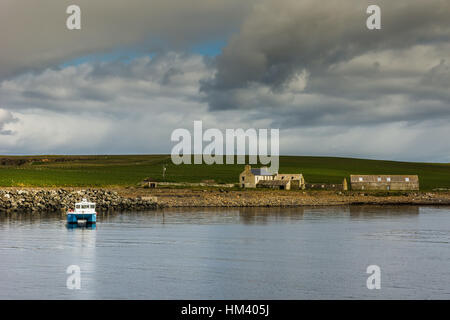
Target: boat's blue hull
{"points": [[75, 217]]}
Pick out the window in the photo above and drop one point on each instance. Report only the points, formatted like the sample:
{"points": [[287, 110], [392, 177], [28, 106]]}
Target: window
{"points": [[388, 179], [379, 179], [360, 179], [85, 206], [92, 206], [407, 179], [77, 206], [243, 178]]}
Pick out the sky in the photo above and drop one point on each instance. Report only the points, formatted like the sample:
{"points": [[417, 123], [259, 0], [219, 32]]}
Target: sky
{"points": [[138, 70]]}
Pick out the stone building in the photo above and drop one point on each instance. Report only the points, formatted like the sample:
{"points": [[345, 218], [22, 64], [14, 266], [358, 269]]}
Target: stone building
{"points": [[296, 180], [275, 184], [149, 183], [250, 177], [384, 182]]}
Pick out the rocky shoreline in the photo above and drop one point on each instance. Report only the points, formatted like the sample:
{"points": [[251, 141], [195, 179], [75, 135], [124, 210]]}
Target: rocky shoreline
{"points": [[61, 200], [34, 200], [215, 197]]}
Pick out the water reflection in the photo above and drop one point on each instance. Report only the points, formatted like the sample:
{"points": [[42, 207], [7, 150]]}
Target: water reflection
{"points": [[245, 215], [366, 211], [264, 215], [21, 217]]}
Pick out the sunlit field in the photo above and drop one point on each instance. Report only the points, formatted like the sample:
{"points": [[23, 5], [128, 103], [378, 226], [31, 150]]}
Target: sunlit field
{"points": [[130, 170]]}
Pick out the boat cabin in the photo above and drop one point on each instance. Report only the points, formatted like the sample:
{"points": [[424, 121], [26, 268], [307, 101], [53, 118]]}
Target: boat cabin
{"points": [[84, 207]]}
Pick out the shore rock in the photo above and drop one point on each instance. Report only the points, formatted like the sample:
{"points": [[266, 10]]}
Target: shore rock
{"points": [[62, 200]]}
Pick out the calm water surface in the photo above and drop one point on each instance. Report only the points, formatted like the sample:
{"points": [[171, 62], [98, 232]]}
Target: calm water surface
{"points": [[264, 253]]}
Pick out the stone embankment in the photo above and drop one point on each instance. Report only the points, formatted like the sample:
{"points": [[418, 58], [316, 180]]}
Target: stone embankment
{"points": [[280, 198], [62, 200]]}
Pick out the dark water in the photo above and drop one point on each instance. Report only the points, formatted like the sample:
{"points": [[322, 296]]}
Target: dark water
{"points": [[268, 253]]}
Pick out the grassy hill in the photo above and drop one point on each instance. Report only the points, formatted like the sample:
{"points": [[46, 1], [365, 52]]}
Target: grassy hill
{"points": [[126, 170]]}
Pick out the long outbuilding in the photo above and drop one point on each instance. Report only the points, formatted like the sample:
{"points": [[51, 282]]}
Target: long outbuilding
{"points": [[384, 182]]}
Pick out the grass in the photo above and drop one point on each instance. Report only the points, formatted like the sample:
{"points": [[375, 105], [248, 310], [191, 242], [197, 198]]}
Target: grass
{"points": [[129, 170]]}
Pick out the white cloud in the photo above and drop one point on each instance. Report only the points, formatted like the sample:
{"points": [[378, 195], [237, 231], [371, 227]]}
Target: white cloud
{"points": [[6, 118]]}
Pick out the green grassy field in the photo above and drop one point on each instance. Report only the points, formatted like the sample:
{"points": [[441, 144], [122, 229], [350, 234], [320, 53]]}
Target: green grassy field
{"points": [[129, 170]]}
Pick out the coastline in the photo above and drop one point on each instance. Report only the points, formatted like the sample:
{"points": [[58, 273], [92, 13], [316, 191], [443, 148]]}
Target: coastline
{"points": [[297, 198], [35, 200]]}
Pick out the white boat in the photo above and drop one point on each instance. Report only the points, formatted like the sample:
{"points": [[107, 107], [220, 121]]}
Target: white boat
{"points": [[84, 211]]}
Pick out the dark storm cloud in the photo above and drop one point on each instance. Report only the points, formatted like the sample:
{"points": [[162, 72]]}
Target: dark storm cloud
{"points": [[33, 34], [281, 38]]}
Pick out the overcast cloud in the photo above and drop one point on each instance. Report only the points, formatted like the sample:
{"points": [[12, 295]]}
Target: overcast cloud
{"points": [[332, 86]]}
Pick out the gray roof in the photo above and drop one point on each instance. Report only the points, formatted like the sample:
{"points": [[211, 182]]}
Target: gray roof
{"points": [[261, 172]]}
